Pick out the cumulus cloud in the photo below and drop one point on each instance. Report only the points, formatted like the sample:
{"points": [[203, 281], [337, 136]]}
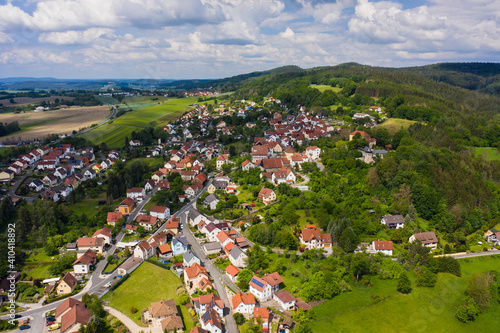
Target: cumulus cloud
{"points": [[73, 37]]}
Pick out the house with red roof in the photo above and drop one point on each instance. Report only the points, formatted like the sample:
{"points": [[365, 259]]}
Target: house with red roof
{"points": [[262, 313], [232, 272], [113, 217], [266, 195], [244, 303], [312, 238], [160, 212]]}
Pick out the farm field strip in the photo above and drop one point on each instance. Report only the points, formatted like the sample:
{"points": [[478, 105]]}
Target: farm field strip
{"points": [[113, 134], [41, 124]]}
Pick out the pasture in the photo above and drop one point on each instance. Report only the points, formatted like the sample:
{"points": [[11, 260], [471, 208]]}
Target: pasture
{"points": [[323, 87], [134, 293], [113, 134], [394, 124], [38, 125], [423, 310]]}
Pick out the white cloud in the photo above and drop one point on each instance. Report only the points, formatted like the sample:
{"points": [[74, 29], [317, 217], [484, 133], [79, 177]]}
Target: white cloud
{"points": [[73, 37]]}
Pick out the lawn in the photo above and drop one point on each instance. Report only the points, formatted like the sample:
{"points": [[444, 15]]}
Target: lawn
{"points": [[424, 309], [393, 125], [148, 283], [323, 87], [488, 153], [40, 271], [114, 134]]}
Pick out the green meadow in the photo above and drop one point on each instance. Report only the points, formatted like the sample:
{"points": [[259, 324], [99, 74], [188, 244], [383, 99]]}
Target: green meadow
{"points": [[423, 310], [323, 87], [489, 153], [114, 133]]}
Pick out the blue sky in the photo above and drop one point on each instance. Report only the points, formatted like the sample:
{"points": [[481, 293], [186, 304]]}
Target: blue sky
{"points": [[180, 39]]}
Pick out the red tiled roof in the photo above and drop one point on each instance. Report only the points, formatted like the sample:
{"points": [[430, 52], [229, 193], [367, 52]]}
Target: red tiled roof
{"points": [[232, 270]]}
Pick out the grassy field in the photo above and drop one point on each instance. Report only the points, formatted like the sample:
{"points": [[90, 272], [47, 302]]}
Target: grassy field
{"points": [[135, 292], [114, 134], [488, 153], [393, 125], [323, 87], [423, 310]]}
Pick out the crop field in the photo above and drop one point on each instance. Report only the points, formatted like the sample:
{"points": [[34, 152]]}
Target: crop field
{"points": [[114, 134], [323, 87], [423, 310], [41, 124], [393, 125], [19, 101]]}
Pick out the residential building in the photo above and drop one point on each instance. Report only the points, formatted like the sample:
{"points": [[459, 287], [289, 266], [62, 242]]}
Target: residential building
{"points": [[211, 201], [260, 289], [160, 212], [232, 272], [66, 285], [143, 250], [113, 218], [266, 195], [428, 239], [189, 258], [179, 244], [262, 314], [393, 221], [384, 247], [285, 300], [84, 264], [312, 238], [244, 303], [126, 206], [210, 322]]}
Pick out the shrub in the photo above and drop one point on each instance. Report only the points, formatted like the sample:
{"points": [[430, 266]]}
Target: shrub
{"points": [[133, 309], [468, 310], [404, 283], [239, 318], [183, 299]]}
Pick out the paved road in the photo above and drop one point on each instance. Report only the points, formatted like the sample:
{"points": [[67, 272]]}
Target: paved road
{"points": [[97, 281], [471, 255], [216, 274], [12, 192]]}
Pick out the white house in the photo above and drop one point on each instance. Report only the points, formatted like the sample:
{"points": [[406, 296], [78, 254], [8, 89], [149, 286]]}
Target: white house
{"points": [[190, 258], [284, 299], [143, 250], [385, 247], [237, 257], [84, 264], [260, 289], [160, 212], [313, 152], [243, 303], [393, 221], [211, 201]]}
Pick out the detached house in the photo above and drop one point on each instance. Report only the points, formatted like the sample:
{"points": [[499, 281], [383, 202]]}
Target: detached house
{"points": [[66, 285], [244, 303], [143, 250], [196, 277], [312, 238], [83, 264], [113, 218], [285, 300], [211, 201], [221, 160], [260, 289], [126, 206], [385, 247], [266, 195], [148, 222], [189, 258], [393, 221], [207, 302], [428, 239], [179, 244], [160, 212], [90, 243]]}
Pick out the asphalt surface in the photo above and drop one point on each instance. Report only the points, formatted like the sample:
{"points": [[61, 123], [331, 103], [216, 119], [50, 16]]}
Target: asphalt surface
{"points": [[97, 280], [214, 271]]}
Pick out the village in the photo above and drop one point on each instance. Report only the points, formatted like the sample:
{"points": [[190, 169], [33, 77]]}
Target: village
{"points": [[199, 243]]}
